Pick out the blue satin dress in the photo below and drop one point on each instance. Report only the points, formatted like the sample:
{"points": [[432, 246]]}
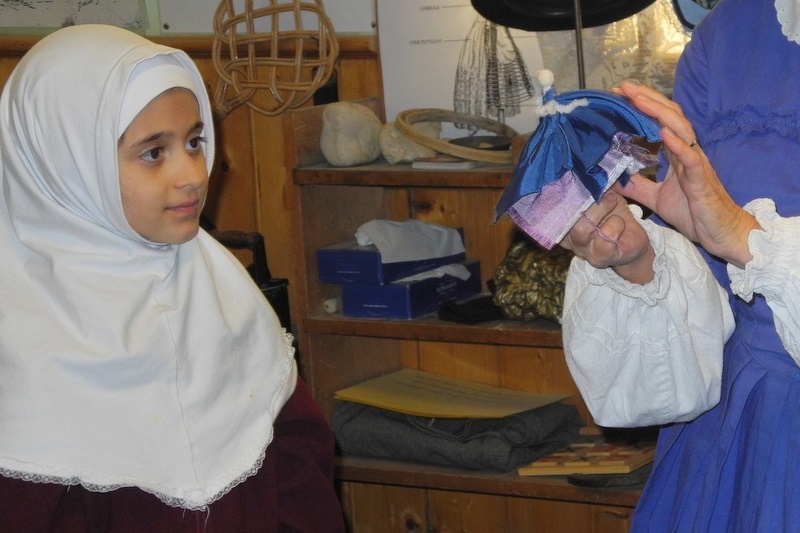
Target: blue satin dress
{"points": [[736, 468]]}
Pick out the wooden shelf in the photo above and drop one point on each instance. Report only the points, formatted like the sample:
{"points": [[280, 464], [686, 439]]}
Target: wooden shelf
{"points": [[539, 333], [385, 472], [382, 173], [336, 351]]}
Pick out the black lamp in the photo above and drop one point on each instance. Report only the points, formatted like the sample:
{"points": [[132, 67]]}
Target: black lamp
{"points": [[554, 15]]}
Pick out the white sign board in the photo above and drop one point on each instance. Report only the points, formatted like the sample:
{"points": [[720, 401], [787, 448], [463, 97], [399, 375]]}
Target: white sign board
{"points": [[420, 45], [196, 16], [57, 14]]}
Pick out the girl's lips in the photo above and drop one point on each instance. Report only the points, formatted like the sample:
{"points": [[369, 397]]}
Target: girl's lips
{"points": [[186, 208]]}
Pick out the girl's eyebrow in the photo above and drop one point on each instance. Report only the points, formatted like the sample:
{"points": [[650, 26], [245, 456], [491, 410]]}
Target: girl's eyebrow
{"points": [[199, 125], [150, 139]]}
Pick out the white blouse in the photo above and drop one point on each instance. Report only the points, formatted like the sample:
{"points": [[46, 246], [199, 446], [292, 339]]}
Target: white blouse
{"points": [[651, 354], [644, 355]]}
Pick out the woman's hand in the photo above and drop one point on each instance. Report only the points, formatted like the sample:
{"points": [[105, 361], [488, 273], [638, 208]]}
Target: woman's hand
{"points": [[691, 198], [608, 235]]}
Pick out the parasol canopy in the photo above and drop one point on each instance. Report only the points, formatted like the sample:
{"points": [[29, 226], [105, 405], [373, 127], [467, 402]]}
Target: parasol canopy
{"points": [[582, 146]]}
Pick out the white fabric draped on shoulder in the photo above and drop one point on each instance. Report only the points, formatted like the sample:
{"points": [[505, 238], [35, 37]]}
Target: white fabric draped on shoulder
{"points": [[123, 362]]}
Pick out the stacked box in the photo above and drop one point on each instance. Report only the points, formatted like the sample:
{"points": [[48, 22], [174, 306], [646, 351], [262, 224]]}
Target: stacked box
{"points": [[349, 262], [409, 299], [370, 287]]}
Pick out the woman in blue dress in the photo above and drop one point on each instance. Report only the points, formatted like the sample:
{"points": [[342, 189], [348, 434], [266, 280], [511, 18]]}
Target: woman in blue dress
{"points": [[696, 324]]}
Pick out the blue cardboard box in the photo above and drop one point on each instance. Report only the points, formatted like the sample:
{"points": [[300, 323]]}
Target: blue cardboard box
{"points": [[409, 299], [347, 262]]}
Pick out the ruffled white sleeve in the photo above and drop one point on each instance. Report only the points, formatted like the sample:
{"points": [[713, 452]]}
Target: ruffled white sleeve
{"points": [[774, 271], [645, 355]]}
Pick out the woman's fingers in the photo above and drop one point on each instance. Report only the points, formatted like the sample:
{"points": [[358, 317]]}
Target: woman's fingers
{"points": [[687, 152], [668, 113], [661, 108], [641, 190], [631, 90], [606, 242], [595, 236]]}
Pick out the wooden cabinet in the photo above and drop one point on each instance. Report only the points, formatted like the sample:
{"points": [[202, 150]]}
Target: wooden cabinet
{"points": [[385, 496], [337, 351]]}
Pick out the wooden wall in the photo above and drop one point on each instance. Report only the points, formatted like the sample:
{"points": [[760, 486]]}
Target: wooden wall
{"points": [[251, 188]]}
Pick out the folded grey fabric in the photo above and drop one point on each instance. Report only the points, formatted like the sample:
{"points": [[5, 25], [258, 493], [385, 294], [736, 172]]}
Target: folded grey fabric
{"points": [[474, 443]]}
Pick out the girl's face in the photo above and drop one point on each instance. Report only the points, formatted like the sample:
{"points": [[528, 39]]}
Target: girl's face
{"points": [[162, 168]]}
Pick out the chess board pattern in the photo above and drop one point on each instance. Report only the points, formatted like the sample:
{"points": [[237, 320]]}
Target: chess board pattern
{"points": [[592, 457]]}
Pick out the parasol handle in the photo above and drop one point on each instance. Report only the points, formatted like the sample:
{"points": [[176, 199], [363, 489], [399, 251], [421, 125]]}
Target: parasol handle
{"points": [[579, 45]]}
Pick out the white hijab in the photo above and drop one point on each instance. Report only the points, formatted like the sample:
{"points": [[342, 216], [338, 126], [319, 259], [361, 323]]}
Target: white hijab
{"points": [[122, 362]]}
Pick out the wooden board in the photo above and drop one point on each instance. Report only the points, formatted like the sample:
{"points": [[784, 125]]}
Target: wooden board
{"points": [[592, 457]]}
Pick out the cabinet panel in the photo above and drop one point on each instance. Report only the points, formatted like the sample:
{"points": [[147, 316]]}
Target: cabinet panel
{"points": [[465, 512], [384, 508], [541, 370], [473, 362], [548, 516], [610, 519], [340, 361], [372, 508], [360, 79]]}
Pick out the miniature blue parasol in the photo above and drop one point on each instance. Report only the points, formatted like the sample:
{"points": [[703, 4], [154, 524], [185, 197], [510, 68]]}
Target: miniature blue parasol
{"points": [[581, 147]]}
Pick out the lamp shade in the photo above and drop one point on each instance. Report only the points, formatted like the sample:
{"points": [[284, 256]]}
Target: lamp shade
{"points": [[552, 15]]}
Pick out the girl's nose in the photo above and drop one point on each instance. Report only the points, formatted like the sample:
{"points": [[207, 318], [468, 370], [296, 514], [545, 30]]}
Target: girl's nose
{"points": [[192, 172]]}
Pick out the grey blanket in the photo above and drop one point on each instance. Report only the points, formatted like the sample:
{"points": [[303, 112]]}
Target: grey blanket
{"points": [[475, 443]]}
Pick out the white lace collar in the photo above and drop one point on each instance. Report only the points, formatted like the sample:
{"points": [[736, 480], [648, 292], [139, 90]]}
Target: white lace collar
{"points": [[789, 18]]}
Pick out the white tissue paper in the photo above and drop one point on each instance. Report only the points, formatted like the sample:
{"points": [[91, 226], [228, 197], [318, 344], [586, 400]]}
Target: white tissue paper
{"points": [[457, 270], [411, 240]]}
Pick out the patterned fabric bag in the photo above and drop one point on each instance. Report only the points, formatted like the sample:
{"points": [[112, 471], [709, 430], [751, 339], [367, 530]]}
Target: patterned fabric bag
{"points": [[529, 282]]}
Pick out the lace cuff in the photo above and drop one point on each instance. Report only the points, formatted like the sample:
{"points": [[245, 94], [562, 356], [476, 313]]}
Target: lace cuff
{"points": [[775, 250]]}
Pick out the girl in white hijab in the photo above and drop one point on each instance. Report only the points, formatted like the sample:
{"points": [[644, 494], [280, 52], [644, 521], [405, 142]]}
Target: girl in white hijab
{"points": [[143, 376]]}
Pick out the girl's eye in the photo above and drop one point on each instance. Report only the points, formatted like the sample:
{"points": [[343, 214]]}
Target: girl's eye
{"points": [[196, 143], [152, 154]]}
